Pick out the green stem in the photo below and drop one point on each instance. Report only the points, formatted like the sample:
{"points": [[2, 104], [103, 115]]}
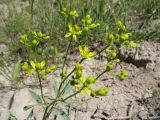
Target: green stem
{"points": [[60, 4], [40, 85], [65, 59], [101, 74], [99, 52], [65, 100], [49, 108], [45, 115], [68, 76], [64, 65], [32, 5], [74, 94]]}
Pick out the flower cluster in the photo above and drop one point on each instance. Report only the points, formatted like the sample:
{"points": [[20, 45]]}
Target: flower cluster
{"points": [[74, 31], [85, 52], [38, 67], [86, 84], [122, 75], [88, 24], [121, 38], [34, 39], [68, 13]]}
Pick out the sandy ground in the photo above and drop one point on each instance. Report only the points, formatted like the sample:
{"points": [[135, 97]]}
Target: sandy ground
{"points": [[129, 99]]}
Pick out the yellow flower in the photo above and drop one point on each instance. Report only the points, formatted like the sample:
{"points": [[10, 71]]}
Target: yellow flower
{"points": [[37, 66], [35, 42], [102, 92], [109, 67], [85, 52], [90, 81], [74, 13], [25, 66], [23, 38], [121, 26], [74, 31], [132, 44], [123, 74]]}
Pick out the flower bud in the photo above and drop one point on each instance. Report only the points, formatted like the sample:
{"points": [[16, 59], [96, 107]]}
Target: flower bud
{"points": [[86, 29], [88, 16], [25, 66], [74, 82], [113, 54], [124, 37], [117, 60], [76, 27], [89, 21], [47, 37], [93, 94], [35, 42], [110, 36], [90, 80], [53, 67], [42, 72], [74, 37], [121, 77], [129, 34], [94, 25], [40, 66], [44, 77], [47, 71], [40, 34], [78, 73], [102, 92], [23, 38], [132, 44], [123, 74], [34, 34], [64, 9], [107, 51], [78, 66], [121, 26], [74, 13], [109, 67]]}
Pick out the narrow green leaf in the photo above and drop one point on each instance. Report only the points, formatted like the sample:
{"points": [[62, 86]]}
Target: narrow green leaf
{"points": [[11, 117], [68, 89], [30, 115], [27, 107], [16, 70], [36, 97], [62, 113], [55, 88], [70, 101]]}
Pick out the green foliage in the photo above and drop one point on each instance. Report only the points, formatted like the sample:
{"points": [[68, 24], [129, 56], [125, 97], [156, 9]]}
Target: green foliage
{"points": [[7, 1], [30, 115], [11, 117], [82, 84], [36, 97], [62, 114], [10, 71], [16, 70], [27, 107], [50, 25]]}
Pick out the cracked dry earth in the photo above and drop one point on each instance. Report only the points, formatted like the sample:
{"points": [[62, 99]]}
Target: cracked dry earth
{"points": [[127, 100]]}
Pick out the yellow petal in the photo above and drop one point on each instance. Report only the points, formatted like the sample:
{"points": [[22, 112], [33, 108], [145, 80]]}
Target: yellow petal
{"points": [[42, 64], [70, 28], [68, 35], [74, 37], [32, 64]]}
